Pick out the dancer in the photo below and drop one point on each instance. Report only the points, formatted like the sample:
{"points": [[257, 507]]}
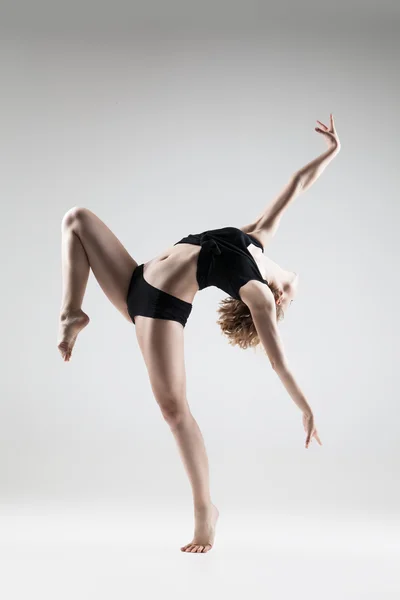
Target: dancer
{"points": [[157, 298]]}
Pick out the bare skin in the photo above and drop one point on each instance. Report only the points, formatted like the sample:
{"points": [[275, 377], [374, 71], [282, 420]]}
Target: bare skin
{"points": [[88, 243], [71, 323]]}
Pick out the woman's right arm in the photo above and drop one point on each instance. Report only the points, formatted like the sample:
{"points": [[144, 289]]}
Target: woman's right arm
{"points": [[264, 318]]}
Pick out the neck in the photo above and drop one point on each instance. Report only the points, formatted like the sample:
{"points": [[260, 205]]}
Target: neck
{"points": [[280, 278]]}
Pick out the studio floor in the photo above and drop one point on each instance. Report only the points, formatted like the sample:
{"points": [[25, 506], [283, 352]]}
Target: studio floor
{"points": [[85, 554]]}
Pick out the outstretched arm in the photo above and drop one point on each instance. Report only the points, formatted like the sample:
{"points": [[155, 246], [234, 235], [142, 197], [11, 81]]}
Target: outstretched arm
{"points": [[264, 318], [266, 224]]}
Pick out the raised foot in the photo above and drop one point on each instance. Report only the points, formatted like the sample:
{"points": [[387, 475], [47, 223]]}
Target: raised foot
{"points": [[205, 523], [71, 323]]}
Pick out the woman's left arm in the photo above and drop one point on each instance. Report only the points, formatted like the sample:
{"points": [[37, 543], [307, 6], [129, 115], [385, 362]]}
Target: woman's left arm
{"points": [[266, 224], [307, 175]]}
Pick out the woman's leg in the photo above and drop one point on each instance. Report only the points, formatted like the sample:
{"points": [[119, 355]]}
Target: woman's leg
{"points": [[87, 243], [162, 345]]}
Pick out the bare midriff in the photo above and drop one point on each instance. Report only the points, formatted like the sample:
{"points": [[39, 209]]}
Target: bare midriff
{"points": [[174, 271]]}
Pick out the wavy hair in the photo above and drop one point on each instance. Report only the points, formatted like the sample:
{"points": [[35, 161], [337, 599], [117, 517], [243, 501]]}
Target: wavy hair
{"points": [[236, 322]]}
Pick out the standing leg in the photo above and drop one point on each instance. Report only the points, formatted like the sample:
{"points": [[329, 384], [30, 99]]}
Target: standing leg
{"points": [[162, 345], [87, 243]]}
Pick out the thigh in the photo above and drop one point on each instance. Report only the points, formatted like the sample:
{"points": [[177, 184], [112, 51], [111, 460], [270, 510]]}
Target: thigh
{"points": [[161, 342], [111, 263]]}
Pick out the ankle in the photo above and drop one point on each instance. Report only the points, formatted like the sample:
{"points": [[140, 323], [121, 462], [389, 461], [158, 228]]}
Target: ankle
{"points": [[67, 312], [202, 507]]}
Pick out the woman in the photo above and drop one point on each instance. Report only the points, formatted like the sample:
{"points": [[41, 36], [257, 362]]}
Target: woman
{"points": [[157, 297]]}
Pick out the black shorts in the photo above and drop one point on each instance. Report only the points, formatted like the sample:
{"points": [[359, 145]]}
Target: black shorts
{"points": [[146, 300]]}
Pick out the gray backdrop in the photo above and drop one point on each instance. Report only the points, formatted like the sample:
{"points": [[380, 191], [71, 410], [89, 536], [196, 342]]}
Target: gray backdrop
{"points": [[171, 118]]}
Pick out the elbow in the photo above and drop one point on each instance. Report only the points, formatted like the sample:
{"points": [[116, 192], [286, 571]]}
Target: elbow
{"points": [[298, 180]]}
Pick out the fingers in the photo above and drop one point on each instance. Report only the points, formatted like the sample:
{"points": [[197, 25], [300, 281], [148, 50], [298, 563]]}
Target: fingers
{"points": [[326, 132], [312, 434], [332, 123], [326, 128], [309, 427]]}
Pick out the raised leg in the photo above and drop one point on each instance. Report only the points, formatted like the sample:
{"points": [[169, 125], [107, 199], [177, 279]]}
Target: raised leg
{"points": [[162, 345], [87, 243]]}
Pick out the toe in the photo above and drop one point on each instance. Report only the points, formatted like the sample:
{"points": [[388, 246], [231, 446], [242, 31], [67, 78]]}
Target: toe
{"points": [[188, 548], [200, 549], [194, 549]]}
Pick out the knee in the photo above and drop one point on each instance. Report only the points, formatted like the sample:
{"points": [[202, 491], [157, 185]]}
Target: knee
{"points": [[73, 217], [174, 410]]}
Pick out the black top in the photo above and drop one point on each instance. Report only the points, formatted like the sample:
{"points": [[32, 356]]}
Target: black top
{"points": [[224, 260]]}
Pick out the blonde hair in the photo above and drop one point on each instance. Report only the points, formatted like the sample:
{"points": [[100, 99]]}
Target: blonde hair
{"points": [[236, 322]]}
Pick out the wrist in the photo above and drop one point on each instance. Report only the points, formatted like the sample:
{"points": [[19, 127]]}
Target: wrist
{"points": [[336, 148]]}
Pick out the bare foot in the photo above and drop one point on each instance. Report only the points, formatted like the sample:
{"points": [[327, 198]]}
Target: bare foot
{"points": [[71, 323], [205, 522]]}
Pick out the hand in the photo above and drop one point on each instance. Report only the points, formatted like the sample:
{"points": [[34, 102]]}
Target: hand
{"points": [[330, 134], [309, 428]]}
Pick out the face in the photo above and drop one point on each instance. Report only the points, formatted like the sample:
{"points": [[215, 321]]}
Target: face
{"points": [[289, 293]]}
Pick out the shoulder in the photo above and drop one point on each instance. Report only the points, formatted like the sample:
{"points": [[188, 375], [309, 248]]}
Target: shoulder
{"points": [[257, 295], [263, 236]]}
